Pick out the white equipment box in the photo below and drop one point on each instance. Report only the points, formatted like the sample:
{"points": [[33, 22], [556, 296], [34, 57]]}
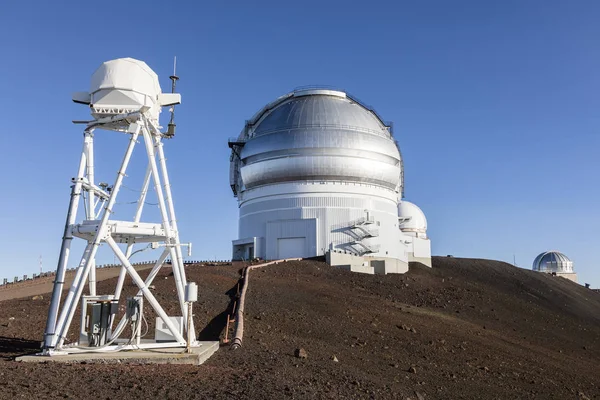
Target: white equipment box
{"points": [[162, 332]]}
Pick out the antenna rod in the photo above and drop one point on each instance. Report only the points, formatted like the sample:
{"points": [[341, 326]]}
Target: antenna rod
{"points": [[174, 78]]}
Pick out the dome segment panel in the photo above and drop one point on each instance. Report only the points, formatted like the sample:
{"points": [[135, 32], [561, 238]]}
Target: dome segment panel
{"points": [[320, 111]]}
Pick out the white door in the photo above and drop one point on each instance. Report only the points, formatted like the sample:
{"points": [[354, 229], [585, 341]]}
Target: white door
{"points": [[291, 247]]}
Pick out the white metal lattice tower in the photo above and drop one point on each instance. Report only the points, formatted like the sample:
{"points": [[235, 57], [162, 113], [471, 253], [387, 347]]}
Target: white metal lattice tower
{"points": [[125, 96]]}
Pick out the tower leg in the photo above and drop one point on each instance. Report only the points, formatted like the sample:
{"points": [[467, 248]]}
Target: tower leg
{"points": [[165, 218], [171, 209], [63, 258], [91, 208], [89, 255]]}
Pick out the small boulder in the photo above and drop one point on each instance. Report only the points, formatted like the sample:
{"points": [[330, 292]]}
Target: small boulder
{"points": [[38, 297], [301, 353], [582, 396], [412, 370], [334, 358]]}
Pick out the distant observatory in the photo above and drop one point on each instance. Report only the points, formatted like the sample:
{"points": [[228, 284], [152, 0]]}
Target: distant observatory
{"points": [[556, 263], [316, 172], [414, 225]]}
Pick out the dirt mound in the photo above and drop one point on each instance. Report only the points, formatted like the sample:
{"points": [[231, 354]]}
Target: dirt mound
{"points": [[466, 328]]}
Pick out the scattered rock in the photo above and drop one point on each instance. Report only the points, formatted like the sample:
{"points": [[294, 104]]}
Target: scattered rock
{"points": [[582, 396], [151, 287], [406, 328], [11, 319], [301, 353], [412, 370], [334, 358], [419, 396], [38, 297]]}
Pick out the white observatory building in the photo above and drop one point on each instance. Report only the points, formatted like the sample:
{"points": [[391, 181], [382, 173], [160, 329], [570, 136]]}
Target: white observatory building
{"points": [[555, 263], [316, 172], [414, 225]]}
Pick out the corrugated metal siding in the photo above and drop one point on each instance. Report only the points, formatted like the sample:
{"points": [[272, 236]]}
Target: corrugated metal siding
{"points": [[298, 228], [332, 214]]}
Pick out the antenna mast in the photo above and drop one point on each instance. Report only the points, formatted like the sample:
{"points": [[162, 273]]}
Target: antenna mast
{"points": [[174, 78]]}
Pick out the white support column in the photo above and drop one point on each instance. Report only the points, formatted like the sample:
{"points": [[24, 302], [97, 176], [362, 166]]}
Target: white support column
{"points": [[147, 293], [165, 218], [59, 279], [64, 320], [91, 208], [76, 290], [171, 208]]}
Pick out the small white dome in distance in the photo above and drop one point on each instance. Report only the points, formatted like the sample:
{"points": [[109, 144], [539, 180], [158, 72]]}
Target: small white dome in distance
{"points": [[553, 261], [411, 218]]}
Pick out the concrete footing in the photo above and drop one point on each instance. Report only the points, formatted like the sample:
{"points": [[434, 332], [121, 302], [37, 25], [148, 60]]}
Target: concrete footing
{"points": [[423, 260], [366, 264], [155, 356]]}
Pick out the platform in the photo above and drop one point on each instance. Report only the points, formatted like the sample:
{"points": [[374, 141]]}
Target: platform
{"points": [[157, 356]]}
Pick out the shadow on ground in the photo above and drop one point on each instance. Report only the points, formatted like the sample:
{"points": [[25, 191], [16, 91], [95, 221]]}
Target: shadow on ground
{"points": [[214, 329], [12, 347]]}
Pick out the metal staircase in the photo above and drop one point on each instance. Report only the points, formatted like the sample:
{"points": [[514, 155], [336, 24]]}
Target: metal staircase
{"points": [[360, 229]]}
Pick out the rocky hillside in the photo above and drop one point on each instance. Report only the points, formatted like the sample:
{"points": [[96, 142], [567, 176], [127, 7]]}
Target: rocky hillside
{"points": [[465, 329]]}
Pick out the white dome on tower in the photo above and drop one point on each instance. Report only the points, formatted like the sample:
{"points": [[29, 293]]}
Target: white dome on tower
{"points": [[123, 86], [411, 218]]}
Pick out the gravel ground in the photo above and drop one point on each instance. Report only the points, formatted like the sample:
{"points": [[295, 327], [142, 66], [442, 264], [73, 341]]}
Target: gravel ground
{"points": [[465, 329]]}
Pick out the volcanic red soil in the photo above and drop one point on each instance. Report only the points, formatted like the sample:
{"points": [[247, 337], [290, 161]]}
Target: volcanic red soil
{"points": [[465, 329]]}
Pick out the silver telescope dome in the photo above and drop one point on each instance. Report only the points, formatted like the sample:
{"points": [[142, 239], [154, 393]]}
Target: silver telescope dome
{"points": [[553, 261], [316, 135]]}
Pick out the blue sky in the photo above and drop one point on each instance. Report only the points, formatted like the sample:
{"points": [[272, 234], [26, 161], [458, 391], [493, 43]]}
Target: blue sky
{"points": [[495, 106]]}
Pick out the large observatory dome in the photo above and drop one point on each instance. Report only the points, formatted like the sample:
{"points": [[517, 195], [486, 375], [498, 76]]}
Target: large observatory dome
{"points": [[553, 261], [319, 135], [411, 217], [317, 171]]}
